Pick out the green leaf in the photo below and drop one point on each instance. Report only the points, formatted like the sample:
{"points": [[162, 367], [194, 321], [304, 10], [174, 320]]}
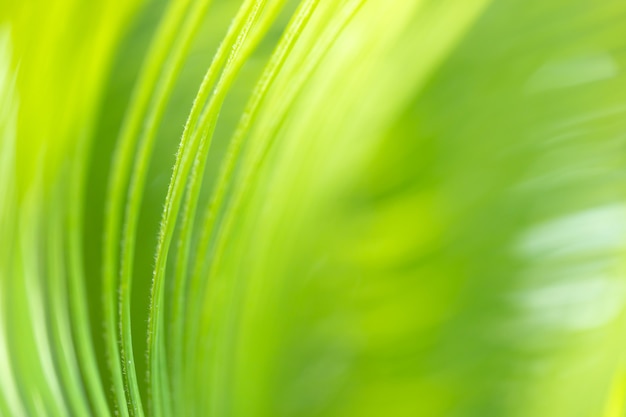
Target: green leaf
{"points": [[312, 208]]}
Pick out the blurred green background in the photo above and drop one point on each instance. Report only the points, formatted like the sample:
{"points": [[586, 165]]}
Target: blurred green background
{"points": [[367, 208]]}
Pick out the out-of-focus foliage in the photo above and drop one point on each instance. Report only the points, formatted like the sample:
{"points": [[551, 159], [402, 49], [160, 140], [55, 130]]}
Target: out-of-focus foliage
{"points": [[312, 208]]}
